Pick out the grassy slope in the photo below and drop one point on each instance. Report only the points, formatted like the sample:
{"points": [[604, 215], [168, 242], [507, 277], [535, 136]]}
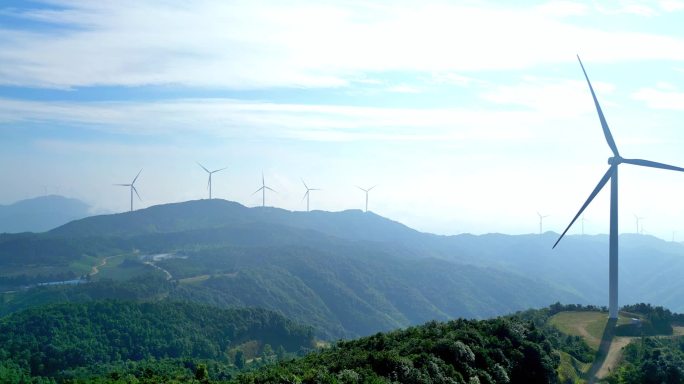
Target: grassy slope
{"points": [[590, 326]]}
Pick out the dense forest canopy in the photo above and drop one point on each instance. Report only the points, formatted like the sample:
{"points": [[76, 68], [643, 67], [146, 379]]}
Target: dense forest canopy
{"points": [[46, 340]]}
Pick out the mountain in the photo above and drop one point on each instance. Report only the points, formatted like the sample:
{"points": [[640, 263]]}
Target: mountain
{"points": [[216, 213], [345, 273], [650, 269], [40, 214]]}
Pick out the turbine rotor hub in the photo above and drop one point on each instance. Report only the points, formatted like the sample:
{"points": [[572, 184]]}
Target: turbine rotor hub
{"points": [[614, 160]]}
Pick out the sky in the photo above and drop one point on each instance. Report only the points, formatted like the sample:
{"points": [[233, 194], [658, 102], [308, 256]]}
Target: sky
{"points": [[467, 116]]}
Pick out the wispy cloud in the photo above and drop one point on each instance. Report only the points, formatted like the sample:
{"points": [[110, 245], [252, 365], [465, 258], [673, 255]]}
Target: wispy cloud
{"points": [[241, 44], [559, 97], [225, 118], [661, 98]]}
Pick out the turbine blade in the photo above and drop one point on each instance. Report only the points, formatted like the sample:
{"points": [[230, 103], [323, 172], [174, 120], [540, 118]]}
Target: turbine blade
{"points": [[372, 187], [136, 177], [365, 190], [203, 167], [652, 164], [270, 189], [219, 170], [305, 186], [306, 194], [604, 124], [122, 185], [257, 190], [136, 192], [595, 192]]}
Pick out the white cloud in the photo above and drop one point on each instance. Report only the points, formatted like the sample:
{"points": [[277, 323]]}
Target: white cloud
{"points": [[562, 8], [297, 44], [225, 118], [552, 96], [660, 99], [672, 5]]}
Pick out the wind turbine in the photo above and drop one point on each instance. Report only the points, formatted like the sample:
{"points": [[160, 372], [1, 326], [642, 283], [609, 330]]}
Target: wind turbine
{"points": [[637, 223], [366, 190], [541, 221], [210, 173], [132, 186], [612, 175], [306, 195], [263, 190]]}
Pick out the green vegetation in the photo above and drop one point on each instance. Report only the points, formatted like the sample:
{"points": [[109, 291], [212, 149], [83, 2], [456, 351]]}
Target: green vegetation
{"points": [[123, 342], [651, 360], [587, 324], [341, 289], [51, 340], [460, 351]]}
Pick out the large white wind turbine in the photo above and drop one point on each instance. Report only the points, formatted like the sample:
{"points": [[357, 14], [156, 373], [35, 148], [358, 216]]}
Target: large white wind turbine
{"points": [[210, 173], [306, 195], [366, 190], [132, 186], [612, 175], [263, 190]]}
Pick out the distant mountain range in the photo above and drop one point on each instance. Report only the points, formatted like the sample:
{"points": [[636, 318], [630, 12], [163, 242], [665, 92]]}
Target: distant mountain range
{"points": [[41, 214], [352, 272]]}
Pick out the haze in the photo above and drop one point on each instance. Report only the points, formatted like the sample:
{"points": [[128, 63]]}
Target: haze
{"points": [[465, 116]]}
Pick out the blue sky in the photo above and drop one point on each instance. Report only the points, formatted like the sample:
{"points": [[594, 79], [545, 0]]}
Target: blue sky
{"points": [[469, 116]]}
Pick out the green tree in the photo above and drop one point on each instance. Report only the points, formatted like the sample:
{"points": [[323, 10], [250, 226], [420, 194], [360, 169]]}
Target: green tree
{"points": [[239, 359]]}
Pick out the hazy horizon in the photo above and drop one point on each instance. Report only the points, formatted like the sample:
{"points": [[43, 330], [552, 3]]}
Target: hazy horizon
{"points": [[469, 118]]}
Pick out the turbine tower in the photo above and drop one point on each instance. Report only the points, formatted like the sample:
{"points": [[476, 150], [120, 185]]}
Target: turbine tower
{"points": [[638, 219], [541, 222], [612, 175], [210, 173], [263, 190], [366, 190], [306, 195], [132, 186]]}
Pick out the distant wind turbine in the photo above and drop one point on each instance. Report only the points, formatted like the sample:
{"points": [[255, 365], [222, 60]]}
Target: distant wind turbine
{"points": [[541, 222], [132, 186], [307, 194], [366, 190], [210, 173], [263, 190], [638, 219], [612, 175]]}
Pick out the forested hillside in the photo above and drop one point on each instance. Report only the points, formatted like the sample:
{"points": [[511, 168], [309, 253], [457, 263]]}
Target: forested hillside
{"points": [[46, 341], [460, 351], [514, 349], [345, 273]]}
